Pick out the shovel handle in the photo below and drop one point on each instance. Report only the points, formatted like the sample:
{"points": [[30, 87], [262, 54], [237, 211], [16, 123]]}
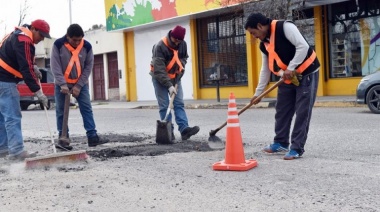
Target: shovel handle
{"points": [[170, 103], [262, 95], [66, 115], [213, 132]]}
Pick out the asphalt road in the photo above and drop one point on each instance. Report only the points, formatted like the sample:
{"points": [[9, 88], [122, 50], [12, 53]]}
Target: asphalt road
{"points": [[340, 170]]}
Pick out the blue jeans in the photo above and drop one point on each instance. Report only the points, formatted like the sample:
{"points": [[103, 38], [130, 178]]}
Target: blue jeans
{"points": [[11, 140], [162, 95], [85, 109]]}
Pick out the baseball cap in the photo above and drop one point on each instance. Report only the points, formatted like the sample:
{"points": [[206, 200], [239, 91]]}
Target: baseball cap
{"points": [[43, 27]]}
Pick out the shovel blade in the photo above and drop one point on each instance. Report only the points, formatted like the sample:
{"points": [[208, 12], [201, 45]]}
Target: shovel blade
{"points": [[164, 132]]}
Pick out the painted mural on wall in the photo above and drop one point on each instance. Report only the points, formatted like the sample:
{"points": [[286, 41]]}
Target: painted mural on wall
{"points": [[370, 41], [124, 14]]}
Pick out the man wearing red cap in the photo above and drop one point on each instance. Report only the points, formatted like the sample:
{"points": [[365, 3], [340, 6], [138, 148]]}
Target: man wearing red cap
{"points": [[17, 53], [167, 68]]}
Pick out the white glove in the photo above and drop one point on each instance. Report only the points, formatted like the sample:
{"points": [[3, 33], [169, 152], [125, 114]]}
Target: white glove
{"points": [[281, 73], [37, 72], [65, 89], [42, 98], [172, 91]]}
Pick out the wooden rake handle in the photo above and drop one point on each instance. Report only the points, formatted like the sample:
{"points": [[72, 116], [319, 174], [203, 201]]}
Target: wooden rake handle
{"points": [[213, 132]]}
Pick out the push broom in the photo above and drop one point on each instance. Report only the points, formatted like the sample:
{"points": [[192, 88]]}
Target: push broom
{"points": [[55, 158]]}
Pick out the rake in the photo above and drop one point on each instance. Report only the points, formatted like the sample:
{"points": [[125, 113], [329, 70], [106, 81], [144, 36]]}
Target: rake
{"points": [[212, 133]]}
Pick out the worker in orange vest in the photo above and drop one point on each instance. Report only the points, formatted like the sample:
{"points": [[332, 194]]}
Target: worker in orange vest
{"points": [[167, 68], [286, 54], [17, 53], [71, 62]]}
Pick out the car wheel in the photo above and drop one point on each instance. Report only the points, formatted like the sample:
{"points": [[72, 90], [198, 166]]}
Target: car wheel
{"points": [[42, 106], [24, 106], [373, 99]]}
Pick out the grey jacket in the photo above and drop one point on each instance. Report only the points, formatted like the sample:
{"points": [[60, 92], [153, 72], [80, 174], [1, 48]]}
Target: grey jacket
{"points": [[162, 56], [60, 57]]}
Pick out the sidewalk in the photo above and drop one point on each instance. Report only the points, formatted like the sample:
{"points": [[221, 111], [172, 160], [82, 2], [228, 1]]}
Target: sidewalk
{"points": [[323, 101]]}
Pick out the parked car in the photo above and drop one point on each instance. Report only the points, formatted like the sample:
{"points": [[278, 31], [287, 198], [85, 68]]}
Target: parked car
{"points": [[27, 97], [368, 92]]}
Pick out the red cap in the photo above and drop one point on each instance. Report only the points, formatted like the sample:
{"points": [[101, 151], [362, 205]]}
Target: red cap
{"points": [[178, 32], [42, 26]]}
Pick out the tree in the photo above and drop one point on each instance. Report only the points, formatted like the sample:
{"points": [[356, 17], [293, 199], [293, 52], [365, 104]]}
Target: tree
{"points": [[277, 9], [24, 9]]}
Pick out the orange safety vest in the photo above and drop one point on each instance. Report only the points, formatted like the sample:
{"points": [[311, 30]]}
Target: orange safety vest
{"points": [[174, 60], [7, 67], [74, 59], [273, 56]]}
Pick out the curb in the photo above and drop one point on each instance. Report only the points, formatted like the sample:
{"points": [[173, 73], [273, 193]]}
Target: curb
{"points": [[270, 104], [212, 106], [224, 105], [338, 104]]}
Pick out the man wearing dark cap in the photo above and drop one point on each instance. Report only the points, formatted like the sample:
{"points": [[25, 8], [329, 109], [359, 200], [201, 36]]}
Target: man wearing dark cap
{"points": [[167, 68], [71, 62], [17, 53]]}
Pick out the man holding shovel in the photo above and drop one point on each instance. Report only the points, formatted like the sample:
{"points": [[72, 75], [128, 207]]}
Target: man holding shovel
{"points": [[286, 54], [167, 68], [71, 62], [17, 53]]}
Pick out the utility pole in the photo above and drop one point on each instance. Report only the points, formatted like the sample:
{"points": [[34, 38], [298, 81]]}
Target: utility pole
{"points": [[71, 21]]}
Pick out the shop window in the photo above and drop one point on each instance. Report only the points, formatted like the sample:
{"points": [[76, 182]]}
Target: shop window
{"points": [[222, 51], [354, 35]]}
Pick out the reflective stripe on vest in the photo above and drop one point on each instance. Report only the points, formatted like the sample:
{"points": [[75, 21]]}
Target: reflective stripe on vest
{"points": [[74, 59], [3, 64], [273, 56], [174, 60]]}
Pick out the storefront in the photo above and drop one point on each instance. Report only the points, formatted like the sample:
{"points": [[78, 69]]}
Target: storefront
{"points": [[344, 33], [354, 38], [353, 43]]}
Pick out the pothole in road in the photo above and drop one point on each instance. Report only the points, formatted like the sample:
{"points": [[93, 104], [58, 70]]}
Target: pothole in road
{"points": [[150, 149], [135, 145]]}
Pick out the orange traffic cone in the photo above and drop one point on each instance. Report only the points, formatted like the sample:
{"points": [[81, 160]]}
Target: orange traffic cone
{"points": [[234, 157]]}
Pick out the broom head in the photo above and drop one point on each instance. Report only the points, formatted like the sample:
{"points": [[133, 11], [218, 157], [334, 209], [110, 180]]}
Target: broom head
{"points": [[55, 158]]}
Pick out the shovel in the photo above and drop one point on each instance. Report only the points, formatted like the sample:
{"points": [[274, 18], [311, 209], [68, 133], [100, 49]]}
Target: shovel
{"points": [[64, 139], [212, 133], [164, 127]]}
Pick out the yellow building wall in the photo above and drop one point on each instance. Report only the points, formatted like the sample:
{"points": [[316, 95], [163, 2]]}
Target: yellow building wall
{"points": [[319, 50], [194, 54], [331, 86], [130, 69], [342, 87]]}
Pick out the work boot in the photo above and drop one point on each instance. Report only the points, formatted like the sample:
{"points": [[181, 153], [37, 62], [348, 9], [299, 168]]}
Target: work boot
{"points": [[22, 156], [95, 141], [3, 155], [188, 132]]}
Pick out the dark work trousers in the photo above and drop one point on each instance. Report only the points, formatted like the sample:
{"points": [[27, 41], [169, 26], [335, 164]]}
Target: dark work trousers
{"points": [[297, 100]]}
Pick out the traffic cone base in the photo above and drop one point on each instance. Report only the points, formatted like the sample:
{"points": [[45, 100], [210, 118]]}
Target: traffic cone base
{"points": [[234, 156], [222, 166]]}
